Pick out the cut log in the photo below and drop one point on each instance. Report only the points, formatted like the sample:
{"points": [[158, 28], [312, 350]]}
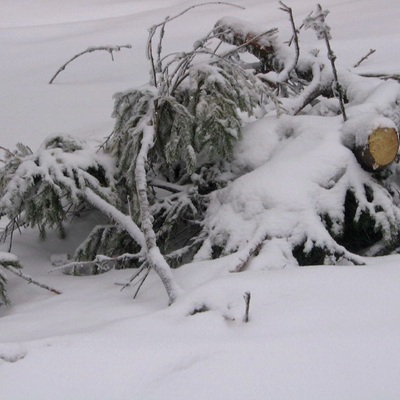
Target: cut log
{"points": [[379, 151]]}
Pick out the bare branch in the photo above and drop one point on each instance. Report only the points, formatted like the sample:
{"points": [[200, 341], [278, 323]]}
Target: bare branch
{"points": [[109, 49], [9, 152], [157, 66], [283, 76], [29, 279], [141, 282], [134, 276], [357, 64], [196, 6], [395, 77], [322, 30], [99, 261]]}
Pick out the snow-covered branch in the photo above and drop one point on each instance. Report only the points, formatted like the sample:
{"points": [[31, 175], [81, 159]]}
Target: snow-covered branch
{"points": [[125, 221], [154, 256], [108, 49]]}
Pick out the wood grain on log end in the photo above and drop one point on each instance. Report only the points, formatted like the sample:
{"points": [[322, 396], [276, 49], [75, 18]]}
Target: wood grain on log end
{"points": [[380, 151]]}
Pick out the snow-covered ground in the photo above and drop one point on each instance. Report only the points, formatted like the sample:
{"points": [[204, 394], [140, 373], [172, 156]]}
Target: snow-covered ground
{"points": [[314, 333]]}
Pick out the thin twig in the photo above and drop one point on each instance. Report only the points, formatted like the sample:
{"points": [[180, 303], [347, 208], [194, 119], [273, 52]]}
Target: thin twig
{"points": [[332, 58], [141, 283], [295, 38], [109, 49], [357, 64], [28, 278], [152, 31], [98, 260], [133, 277], [381, 76], [196, 6], [11, 154]]}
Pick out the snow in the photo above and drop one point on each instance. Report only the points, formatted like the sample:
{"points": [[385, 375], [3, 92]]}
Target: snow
{"points": [[319, 332], [7, 257]]}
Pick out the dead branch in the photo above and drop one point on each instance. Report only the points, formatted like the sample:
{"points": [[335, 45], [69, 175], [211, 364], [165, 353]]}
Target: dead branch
{"points": [[283, 76], [322, 30], [385, 77], [29, 279], [134, 276], [357, 64], [109, 49], [10, 153], [99, 262], [141, 283], [157, 66], [249, 253]]}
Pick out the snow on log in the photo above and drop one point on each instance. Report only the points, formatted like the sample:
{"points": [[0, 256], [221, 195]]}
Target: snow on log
{"points": [[373, 140], [255, 40]]}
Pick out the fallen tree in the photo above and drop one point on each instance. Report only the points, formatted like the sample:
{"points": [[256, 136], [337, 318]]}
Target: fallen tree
{"points": [[189, 173]]}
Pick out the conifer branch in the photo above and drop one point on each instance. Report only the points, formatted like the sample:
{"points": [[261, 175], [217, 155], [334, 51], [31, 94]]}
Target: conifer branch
{"points": [[109, 49]]}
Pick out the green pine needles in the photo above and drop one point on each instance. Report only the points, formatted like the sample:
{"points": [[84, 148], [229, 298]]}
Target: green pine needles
{"points": [[44, 189]]}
